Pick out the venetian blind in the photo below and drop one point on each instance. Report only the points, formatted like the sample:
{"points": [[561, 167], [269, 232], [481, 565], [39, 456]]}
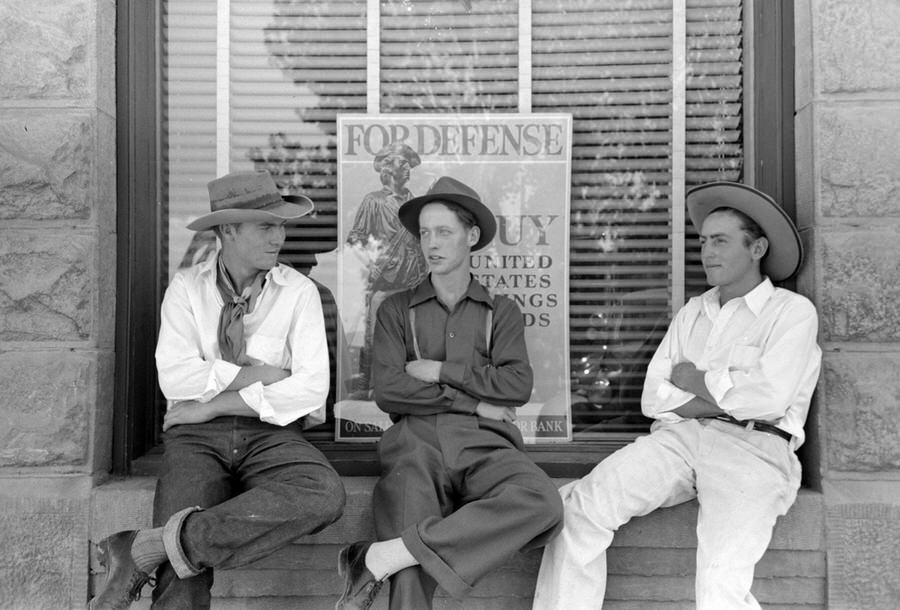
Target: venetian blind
{"points": [[449, 56], [187, 122], [714, 107], [292, 65], [290, 68], [286, 92], [609, 63]]}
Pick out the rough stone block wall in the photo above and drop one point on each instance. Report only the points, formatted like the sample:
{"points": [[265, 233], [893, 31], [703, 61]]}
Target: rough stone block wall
{"points": [[848, 177], [57, 280]]}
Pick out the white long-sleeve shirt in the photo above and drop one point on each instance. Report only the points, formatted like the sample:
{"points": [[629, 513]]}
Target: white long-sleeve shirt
{"points": [[759, 354], [285, 330]]}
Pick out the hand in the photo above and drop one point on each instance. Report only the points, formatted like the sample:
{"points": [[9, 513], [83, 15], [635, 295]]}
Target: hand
{"points": [[683, 375], [269, 374], [428, 371], [489, 411], [265, 374], [186, 412], [686, 376]]}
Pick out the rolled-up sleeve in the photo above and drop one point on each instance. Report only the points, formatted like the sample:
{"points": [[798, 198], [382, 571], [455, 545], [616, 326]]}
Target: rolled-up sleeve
{"points": [[184, 372], [303, 393], [660, 397]]}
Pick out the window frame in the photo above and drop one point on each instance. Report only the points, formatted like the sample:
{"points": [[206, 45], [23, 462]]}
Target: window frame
{"points": [[769, 132]]}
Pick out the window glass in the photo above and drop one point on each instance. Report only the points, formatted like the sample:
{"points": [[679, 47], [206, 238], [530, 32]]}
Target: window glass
{"points": [[267, 97], [443, 56]]}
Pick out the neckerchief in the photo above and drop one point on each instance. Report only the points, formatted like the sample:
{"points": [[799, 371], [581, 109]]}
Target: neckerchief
{"points": [[231, 320]]}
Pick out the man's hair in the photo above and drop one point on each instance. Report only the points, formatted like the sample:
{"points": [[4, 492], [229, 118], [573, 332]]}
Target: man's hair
{"points": [[752, 230], [220, 229], [466, 217]]}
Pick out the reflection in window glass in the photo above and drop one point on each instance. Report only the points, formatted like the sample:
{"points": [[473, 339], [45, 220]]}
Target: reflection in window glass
{"points": [[293, 65], [449, 56], [610, 65]]}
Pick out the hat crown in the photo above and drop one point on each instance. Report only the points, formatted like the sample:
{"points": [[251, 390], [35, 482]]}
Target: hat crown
{"points": [[243, 190], [450, 190], [446, 185], [249, 197]]}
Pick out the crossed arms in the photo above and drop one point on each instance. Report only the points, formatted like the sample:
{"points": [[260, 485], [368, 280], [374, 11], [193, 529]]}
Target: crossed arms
{"points": [[290, 381], [774, 371], [407, 385]]}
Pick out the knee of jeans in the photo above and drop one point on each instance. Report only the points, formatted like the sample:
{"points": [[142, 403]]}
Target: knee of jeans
{"points": [[332, 498]]}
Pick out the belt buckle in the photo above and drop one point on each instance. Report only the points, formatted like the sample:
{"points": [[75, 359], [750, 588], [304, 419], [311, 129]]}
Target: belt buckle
{"points": [[750, 425]]}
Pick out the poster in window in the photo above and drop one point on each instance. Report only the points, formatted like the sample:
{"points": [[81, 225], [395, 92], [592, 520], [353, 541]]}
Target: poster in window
{"points": [[521, 167]]}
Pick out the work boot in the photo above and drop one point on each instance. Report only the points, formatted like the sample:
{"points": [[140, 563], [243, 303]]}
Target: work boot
{"points": [[124, 580], [360, 585]]}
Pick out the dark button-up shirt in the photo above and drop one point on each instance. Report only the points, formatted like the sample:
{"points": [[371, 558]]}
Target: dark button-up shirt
{"points": [[457, 338]]}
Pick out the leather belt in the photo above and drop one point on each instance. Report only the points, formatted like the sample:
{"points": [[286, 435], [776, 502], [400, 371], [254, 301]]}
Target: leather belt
{"points": [[753, 424]]}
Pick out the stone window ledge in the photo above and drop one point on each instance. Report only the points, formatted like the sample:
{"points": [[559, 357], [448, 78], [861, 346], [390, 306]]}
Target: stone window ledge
{"points": [[652, 558]]}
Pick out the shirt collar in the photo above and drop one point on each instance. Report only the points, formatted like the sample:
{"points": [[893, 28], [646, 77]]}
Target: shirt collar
{"points": [[277, 274], [425, 291], [755, 299]]}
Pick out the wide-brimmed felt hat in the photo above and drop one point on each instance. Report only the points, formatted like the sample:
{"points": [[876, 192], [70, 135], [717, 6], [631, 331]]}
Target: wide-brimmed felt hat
{"points": [[785, 253], [250, 197], [451, 190], [396, 149]]}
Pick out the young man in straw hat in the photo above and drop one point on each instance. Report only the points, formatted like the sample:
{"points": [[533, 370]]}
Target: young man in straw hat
{"points": [[241, 357], [457, 496], [729, 388]]}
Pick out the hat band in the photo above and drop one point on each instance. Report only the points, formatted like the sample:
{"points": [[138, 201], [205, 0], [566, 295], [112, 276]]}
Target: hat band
{"points": [[242, 203]]}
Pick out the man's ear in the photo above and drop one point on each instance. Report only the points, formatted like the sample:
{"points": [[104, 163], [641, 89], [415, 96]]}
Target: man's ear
{"points": [[227, 232], [474, 235], [759, 247]]}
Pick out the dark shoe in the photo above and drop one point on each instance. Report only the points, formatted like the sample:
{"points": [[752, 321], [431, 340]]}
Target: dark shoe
{"points": [[360, 585], [124, 580]]}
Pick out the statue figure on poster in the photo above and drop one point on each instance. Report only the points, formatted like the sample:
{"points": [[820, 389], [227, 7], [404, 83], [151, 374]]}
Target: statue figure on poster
{"points": [[392, 255]]}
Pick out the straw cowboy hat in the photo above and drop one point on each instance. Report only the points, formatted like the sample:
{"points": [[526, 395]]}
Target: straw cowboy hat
{"points": [[450, 189], [785, 253], [250, 197]]}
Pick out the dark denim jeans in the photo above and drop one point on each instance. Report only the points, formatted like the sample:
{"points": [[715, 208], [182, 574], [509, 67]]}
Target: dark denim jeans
{"points": [[259, 486]]}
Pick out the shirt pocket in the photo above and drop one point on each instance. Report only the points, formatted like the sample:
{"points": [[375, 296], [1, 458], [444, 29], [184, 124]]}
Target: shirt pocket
{"points": [[744, 357], [267, 350]]}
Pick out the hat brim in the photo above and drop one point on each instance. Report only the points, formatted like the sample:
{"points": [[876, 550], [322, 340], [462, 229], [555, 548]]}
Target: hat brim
{"points": [[292, 208], [484, 218], [785, 253]]}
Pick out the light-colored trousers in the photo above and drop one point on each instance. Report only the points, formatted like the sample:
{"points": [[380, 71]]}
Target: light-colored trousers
{"points": [[743, 479]]}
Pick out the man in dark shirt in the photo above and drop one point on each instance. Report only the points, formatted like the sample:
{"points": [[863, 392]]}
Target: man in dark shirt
{"points": [[457, 496]]}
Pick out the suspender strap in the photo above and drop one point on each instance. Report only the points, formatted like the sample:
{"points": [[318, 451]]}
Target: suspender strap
{"points": [[488, 328], [412, 324]]}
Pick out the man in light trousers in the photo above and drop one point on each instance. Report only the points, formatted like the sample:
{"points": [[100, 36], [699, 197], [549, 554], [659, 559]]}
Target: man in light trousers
{"points": [[729, 389]]}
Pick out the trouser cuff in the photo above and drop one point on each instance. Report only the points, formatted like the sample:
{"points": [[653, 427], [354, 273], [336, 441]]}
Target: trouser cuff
{"points": [[172, 541], [432, 563]]}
